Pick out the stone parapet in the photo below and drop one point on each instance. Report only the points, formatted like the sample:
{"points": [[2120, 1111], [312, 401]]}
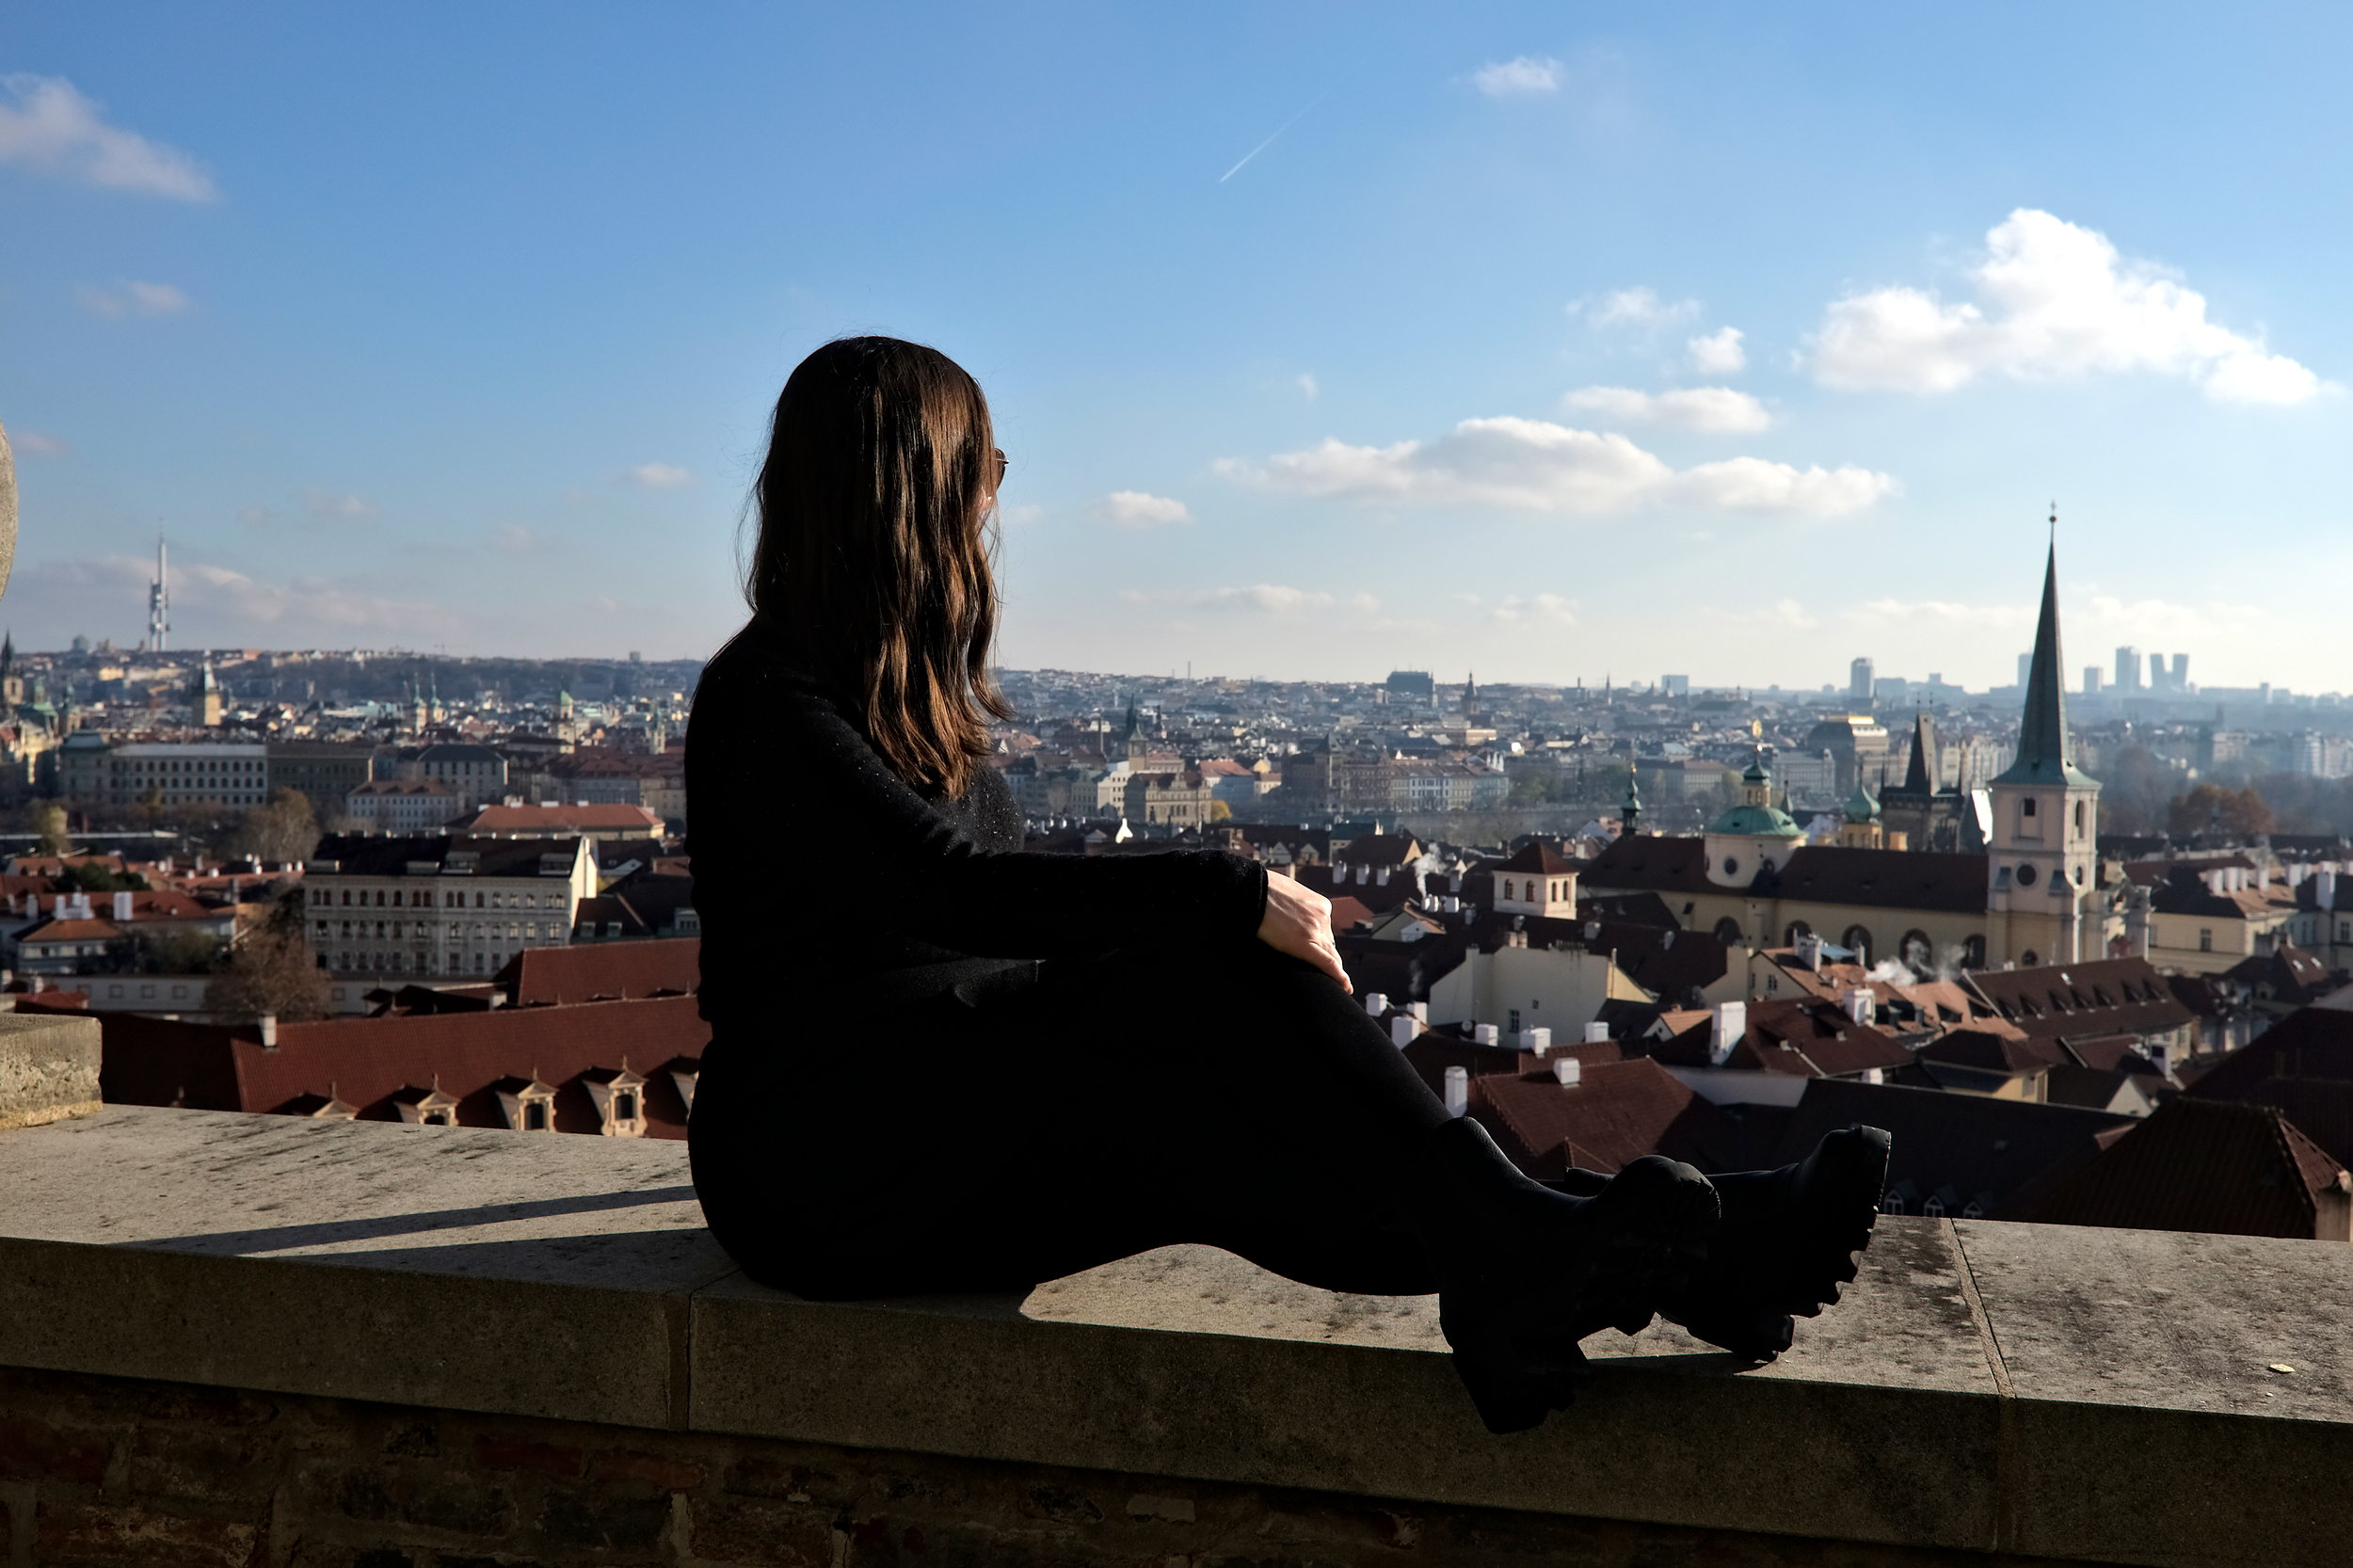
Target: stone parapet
{"points": [[551, 1311], [48, 1068]]}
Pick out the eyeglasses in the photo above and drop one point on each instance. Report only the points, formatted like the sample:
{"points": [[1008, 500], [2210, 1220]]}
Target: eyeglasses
{"points": [[1002, 463]]}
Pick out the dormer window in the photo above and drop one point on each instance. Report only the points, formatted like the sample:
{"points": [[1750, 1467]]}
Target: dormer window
{"points": [[528, 1104], [2028, 806], [619, 1097], [425, 1106], [683, 1071]]}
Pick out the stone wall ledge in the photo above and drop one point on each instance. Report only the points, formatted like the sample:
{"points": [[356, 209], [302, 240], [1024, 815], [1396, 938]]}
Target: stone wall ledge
{"points": [[2037, 1391]]}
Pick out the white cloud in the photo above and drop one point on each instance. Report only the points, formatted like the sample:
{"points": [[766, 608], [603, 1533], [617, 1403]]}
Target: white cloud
{"points": [[1544, 609], [1533, 466], [1754, 484], [230, 605], [1685, 408], [1517, 78], [1265, 598], [1639, 306], [1307, 387], [332, 507], [1719, 353], [656, 476], [34, 444], [52, 129], [2054, 299], [131, 299], [1136, 509]]}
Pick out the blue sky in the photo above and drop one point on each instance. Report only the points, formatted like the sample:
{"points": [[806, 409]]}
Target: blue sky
{"points": [[1547, 341]]}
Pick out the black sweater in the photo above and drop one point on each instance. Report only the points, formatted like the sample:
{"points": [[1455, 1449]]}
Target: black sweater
{"points": [[817, 866]]}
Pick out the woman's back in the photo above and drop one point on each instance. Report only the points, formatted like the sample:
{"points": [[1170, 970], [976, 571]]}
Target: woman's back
{"points": [[786, 803]]}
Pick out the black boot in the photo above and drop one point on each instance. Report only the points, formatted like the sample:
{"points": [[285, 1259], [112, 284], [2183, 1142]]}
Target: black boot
{"points": [[1787, 1242], [1523, 1268]]}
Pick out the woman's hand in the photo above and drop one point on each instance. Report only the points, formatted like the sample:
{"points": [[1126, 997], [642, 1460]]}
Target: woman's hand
{"points": [[1299, 922]]}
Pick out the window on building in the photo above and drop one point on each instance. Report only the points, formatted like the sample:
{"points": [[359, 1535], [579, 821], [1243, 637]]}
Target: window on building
{"points": [[1512, 1025], [1932, 1208], [2027, 811], [1891, 1203], [2205, 940]]}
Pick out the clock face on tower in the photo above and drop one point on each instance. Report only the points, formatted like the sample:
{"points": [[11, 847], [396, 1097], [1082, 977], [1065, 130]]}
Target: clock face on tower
{"points": [[2025, 876]]}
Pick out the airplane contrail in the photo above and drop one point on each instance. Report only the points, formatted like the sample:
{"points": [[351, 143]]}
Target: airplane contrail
{"points": [[1269, 141]]}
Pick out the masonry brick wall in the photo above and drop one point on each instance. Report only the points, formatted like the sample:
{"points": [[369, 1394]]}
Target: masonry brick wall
{"points": [[112, 1472]]}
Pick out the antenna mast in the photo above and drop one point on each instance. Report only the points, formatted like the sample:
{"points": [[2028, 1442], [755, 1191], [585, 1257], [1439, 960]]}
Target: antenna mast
{"points": [[158, 601]]}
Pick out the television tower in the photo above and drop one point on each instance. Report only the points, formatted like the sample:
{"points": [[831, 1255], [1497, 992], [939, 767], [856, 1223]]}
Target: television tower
{"points": [[158, 601]]}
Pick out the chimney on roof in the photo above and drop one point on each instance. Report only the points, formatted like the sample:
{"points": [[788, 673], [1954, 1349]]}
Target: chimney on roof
{"points": [[1536, 1040], [1810, 952], [1484, 1034], [1568, 1071], [1457, 1091], [1596, 1033], [122, 906], [1730, 1023], [268, 1024], [1376, 1003], [1859, 1002], [1403, 1028]]}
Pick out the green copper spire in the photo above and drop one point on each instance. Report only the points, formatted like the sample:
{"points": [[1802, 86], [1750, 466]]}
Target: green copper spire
{"points": [[2044, 754]]}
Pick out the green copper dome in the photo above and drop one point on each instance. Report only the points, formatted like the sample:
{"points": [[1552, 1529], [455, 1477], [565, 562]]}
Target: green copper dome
{"points": [[1861, 808], [1757, 822]]}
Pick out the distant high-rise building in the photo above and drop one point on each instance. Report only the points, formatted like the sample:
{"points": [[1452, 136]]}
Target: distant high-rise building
{"points": [[1859, 680], [2128, 670], [2180, 672], [2156, 672], [1675, 685], [2091, 679]]}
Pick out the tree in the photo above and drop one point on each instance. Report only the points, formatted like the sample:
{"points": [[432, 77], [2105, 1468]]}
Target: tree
{"points": [[52, 828], [285, 828], [271, 972], [2208, 808], [91, 877], [2133, 791]]}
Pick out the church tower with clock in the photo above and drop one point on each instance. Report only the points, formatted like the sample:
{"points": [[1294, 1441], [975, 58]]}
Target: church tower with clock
{"points": [[2041, 857]]}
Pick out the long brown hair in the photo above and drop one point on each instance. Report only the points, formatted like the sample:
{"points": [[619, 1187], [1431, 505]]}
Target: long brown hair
{"points": [[872, 560]]}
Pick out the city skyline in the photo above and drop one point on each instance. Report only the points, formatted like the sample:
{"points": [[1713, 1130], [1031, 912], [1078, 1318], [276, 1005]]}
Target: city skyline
{"points": [[1510, 346]]}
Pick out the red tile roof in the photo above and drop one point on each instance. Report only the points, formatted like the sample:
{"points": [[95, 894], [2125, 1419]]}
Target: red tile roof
{"points": [[550, 820], [369, 1061], [1617, 1112], [2205, 1165], [590, 970]]}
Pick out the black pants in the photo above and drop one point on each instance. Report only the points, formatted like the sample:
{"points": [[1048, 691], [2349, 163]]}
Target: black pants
{"points": [[1011, 1135]]}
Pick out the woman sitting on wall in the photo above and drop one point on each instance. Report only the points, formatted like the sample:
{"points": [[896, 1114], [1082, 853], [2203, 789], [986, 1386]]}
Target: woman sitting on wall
{"points": [[941, 1063]]}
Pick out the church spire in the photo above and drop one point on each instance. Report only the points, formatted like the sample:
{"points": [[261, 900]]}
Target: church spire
{"points": [[1920, 777], [2045, 755]]}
